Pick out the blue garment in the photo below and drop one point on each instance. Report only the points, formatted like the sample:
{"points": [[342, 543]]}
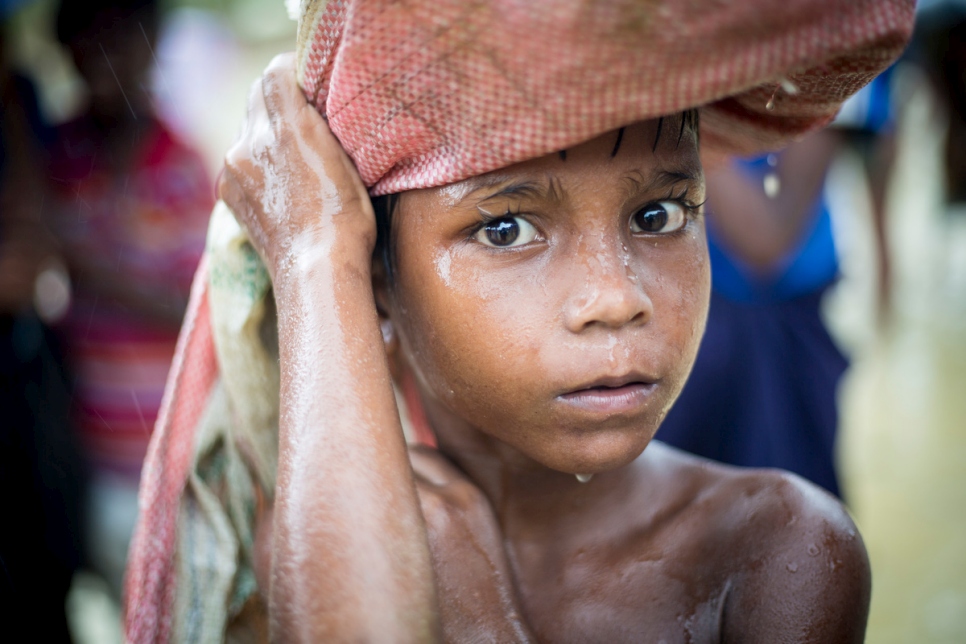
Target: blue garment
{"points": [[810, 266], [763, 389]]}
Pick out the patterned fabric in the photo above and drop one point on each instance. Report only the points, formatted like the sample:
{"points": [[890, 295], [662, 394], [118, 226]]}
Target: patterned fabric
{"points": [[422, 94]]}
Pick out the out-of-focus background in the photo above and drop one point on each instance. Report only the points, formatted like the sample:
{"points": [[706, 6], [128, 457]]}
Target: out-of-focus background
{"points": [[106, 188]]}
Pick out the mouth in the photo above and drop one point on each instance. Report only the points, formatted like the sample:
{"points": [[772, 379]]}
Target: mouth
{"points": [[612, 395]]}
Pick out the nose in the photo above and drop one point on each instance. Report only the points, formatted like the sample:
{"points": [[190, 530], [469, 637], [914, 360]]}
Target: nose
{"points": [[609, 294]]}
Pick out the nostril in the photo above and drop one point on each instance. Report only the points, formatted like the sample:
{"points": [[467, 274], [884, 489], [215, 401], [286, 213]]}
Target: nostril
{"points": [[611, 298]]}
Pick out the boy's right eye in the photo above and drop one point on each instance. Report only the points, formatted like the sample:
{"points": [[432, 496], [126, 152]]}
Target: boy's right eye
{"points": [[506, 232]]}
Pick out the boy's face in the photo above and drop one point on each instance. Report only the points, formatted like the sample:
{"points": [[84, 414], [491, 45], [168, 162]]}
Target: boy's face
{"points": [[554, 308]]}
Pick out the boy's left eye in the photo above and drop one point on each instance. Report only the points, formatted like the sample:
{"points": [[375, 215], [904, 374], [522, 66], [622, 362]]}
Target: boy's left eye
{"points": [[659, 217], [506, 232]]}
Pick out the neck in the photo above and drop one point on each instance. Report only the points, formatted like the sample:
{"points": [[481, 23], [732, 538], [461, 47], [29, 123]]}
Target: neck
{"points": [[525, 495]]}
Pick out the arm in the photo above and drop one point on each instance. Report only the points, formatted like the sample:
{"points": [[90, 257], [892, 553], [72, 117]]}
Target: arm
{"points": [[813, 581], [477, 598], [761, 230], [349, 556]]}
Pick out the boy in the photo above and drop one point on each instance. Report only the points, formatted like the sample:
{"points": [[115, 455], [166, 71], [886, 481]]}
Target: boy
{"points": [[538, 314]]}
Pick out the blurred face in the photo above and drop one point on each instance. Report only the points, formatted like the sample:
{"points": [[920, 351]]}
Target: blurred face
{"points": [[554, 308], [113, 60]]}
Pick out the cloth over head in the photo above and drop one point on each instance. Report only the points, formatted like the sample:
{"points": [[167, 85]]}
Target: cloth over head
{"points": [[423, 93]]}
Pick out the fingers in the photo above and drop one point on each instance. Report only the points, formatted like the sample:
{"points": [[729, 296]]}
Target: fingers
{"points": [[280, 89], [272, 100], [243, 148], [286, 104]]}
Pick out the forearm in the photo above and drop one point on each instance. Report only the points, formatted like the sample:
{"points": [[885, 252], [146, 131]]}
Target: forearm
{"points": [[350, 559]]}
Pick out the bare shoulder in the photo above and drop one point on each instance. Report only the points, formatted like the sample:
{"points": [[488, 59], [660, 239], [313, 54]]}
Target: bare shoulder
{"points": [[794, 564]]}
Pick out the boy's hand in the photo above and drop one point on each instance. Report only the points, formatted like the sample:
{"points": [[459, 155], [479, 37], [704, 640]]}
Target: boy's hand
{"points": [[477, 600], [288, 180]]}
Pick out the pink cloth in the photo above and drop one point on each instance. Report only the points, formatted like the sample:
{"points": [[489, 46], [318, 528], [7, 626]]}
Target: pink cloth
{"points": [[150, 583], [425, 93]]}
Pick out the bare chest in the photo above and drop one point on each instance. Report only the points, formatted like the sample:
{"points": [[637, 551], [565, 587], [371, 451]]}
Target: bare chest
{"points": [[605, 595]]}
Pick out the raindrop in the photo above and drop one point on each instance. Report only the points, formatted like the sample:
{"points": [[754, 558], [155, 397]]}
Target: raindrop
{"points": [[583, 478], [770, 105]]}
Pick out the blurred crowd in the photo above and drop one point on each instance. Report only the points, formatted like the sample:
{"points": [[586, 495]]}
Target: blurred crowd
{"points": [[835, 345]]}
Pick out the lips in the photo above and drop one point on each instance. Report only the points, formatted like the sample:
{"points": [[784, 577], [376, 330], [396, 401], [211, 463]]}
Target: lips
{"points": [[612, 394]]}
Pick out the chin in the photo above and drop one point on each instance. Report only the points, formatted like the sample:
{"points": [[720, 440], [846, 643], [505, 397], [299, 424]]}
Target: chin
{"points": [[600, 451]]}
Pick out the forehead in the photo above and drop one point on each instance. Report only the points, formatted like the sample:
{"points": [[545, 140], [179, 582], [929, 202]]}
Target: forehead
{"points": [[666, 146]]}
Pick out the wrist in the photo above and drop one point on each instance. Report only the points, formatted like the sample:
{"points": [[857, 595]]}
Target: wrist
{"points": [[312, 255]]}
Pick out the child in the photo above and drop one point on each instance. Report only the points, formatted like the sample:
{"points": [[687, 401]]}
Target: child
{"points": [[541, 314], [552, 344]]}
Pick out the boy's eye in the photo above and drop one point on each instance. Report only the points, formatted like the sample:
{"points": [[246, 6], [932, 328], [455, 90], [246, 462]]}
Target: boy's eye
{"points": [[659, 217], [506, 232]]}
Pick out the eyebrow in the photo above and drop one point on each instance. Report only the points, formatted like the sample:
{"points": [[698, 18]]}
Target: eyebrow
{"points": [[658, 179], [553, 190], [538, 189]]}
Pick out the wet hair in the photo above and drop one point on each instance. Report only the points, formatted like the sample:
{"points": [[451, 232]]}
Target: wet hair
{"points": [[385, 205], [384, 251], [79, 19]]}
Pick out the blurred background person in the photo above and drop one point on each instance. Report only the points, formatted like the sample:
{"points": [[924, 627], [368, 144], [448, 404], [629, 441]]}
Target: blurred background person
{"points": [[763, 389], [131, 205], [41, 472]]}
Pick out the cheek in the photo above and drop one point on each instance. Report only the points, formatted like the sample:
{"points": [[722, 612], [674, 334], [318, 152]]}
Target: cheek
{"points": [[683, 301], [470, 336]]}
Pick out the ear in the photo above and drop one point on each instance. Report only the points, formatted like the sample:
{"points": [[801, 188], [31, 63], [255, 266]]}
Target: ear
{"points": [[380, 290]]}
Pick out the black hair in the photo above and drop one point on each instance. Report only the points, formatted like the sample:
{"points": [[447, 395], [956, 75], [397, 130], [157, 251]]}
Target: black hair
{"points": [[78, 19], [384, 251], [690, 120], [385, 205]]}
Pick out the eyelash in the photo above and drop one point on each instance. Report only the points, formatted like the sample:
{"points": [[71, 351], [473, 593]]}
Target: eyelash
{"points": [[486, 218], [692, 209]]}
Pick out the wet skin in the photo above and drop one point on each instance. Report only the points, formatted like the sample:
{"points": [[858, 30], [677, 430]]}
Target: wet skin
{"points": [[556, 354], [511, 345]]}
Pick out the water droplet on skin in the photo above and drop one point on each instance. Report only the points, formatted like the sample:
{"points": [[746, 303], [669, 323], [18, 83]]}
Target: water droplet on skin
{"points": [[773, 160], [812, 550], [583, 478], [770, 105], [442, 267], [792, 567]]}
